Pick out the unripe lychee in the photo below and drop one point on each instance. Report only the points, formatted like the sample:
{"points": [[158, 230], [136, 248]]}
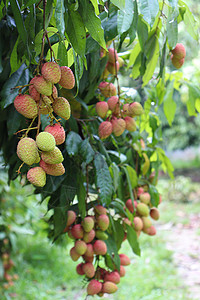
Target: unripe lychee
{"points": [[107, 89], [32, 91], [89, 250], [113, 277], [111, 67], [179, 51], [140, 191], [87, 224], [37, 176], [27, 151], [43, 86], [154, 213], [112, 55], [146, 222], [121, 61], [113, 103], [77, 231], [26, 106], [105, 73], [54, 170], [109, 287], [105, 129], [118, 125], [51, 72], [62, 108], [88, 269], [100, 247], [101, 235], [52, 157], [67, 79], [124, 260], [130, 124], [150, 231], [74, 255], [94, 287], [142, 209], [80, 247], [122, 271], [129, 205], [99, 209], [103, 222], [71, 217], [45, 141], [79, 269], [102, 109], [57, 131], [145, 198], [138, 224], [177, 63], [126, 109], [89, 236], [135, 109]]}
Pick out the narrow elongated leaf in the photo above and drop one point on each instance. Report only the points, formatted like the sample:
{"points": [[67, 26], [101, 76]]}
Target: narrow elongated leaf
{"points": [[119, 3], [72, 143], [132, 239], [134, 54], [190, 21], [169, 104], [142, 30], [172, 27], [112, 252], [62, 54], [14, 62], [154, 195], [96, 6], [59, 16], [86, 151], [81, 194], [114, 170], [149, 10], [125, 17]]}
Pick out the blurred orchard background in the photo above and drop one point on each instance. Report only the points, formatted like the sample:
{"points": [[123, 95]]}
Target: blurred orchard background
{"points": [[169, 266]]}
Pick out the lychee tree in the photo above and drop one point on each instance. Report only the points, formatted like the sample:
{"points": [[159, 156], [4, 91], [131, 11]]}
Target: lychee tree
{"points": [[89, 146]]}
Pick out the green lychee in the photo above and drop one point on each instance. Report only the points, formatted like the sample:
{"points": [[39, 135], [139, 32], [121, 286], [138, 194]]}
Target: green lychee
{"points": [[62, 108], [135, 109], [45, 141], [51, 72], [103, 222], [37, 176], [87, 224], [52, 157], [74, 255], [142, 209], [101, 235], [109, 287], [80, 247], [43, 86], [89, 236], [27, 151]]}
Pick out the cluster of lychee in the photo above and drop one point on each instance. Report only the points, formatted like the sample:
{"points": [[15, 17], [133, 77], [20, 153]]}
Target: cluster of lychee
{"points": [[120, 117], [90, 235], [8, 265], [44, 151], [142, 210], [178, 55]]}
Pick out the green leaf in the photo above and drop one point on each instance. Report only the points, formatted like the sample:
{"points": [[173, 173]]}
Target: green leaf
{"points": [[119, 3], [96, 6], [103, 179], [76, 31], [112, 252], [149, 10], [169, 104], [128, 170], [133, 28], [154, 195], [38, 39], [197, 104], [118, 233], [62, 54], [81, 195], [134, 54], [133, 176], [14, 62], [19, 78], [48, 12], [194, 93], [110, 27], [114, 170], [172, 27], [92, 22], [191, 24], [142, 31], [132, 239], [125, 17], [59, 16], [72, 143], [86, 151]]}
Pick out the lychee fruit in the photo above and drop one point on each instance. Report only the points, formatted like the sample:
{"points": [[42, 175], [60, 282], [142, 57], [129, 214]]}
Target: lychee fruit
{"points": [[94, 287], [27, 150], [130, 124], [89, 236], [109, 287], [87, 224], [43, 86], [105, 129], [51, 72], [99, 209], [32, 91], [179, 51], [57, 131], [26, 106], [150, 231], [113, 103], [154, 213], [88, 258], [177, 63], [52, 157], [145, 198], [67, 79], [100, 247], [140, 191], [146, 222], [102, 109], [124, 260], [126, 109], [88, 269], [107, 89], [37, 176], [129, 205], [101, 235], [45, 141], [112, 68], [103, 222], [122, 271], [118, 125], [112, 55], [77, 231], [79, 269], [62, 108], [135, 109], [89, 250], [54, 170], [138, 224], [113, 277], [71, 217], [142, 209], [80, 247], [74, 255]]}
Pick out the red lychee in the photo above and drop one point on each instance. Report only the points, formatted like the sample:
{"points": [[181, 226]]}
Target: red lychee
{"points": [[109, 287], [88, 269], [135, 109], [130, 124], [103, 222], [112, 276], [94, 287], [154, 213], [80, 247], [113, 103], [107, 89], [179, 51], [79, 269], [99, 209], [57, 131], [77, 231], [112, 55], [26, 106], [43, 86], [67, 78], [105, 129], [89, 236], [54, 170], [100, 247], [37, 176], [102, 109], [118, 126], [124, 260], [32, 91], [145, 198], [74, 255], [51, 72], [138, 224]]}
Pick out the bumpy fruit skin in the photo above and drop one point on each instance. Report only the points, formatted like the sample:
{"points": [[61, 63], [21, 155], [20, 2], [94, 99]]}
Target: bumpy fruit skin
{"points": [[130, 124], [27, 151], [109, 287], [37, 176], [26, 106], [52, 157], [102, 109], [88, 269], [105, 129], [74, 255], [107, 89], [113, 277], [77, 231], [177, 63], [87, 224], [51, 72], [135, 109], [140, 191], [67, 79], [43, 86], [138, 224], [119, 125], [32, 91], [113, 103], [88, 258], [94, 287], [145, 198], [79, 269], [103, 222], [101, 235], [142, 209], [122, 271], [99, 209], [89, 251], [80, 247], [126, 109], [89, 236], [146, 222], [112, 55], [124, 260], [179, 51], [62, 108], [57, 131], [45, 141], [129, 205], [71, 217], [154, 213], [54, 170], [150, 231], [100, 247], [111, 67]]}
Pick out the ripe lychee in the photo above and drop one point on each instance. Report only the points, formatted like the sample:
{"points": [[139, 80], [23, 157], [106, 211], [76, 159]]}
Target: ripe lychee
{"points": [[26, 106], [57, 131], [150, 231], [43, 86], [45, 141], [122, 271], [118, 125], [103, 222], [71, 217], [145, 198], [102, 109], [177, 63], [89, 236], [100, 247], [94, 287], [138, 224], [67, 79], [79, 269], [88, 269], [130, 124], [109, 287], [142, 209], [99, 209], [146, 222], [54, 170], [32, 91], [112, 55], [51, 72], [88, 258], [62, 108], [124, 260], [89, 250], [111, 67], [87, 224], [52, 157], [37, 176], [113, 277], [107, 89], [129, 205], [113, 103], [105, 129], [179, 51], [74, 255], [135, 109], [154, 213], [140, 191], [27, 151], [77, 231], [80, 247]]}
